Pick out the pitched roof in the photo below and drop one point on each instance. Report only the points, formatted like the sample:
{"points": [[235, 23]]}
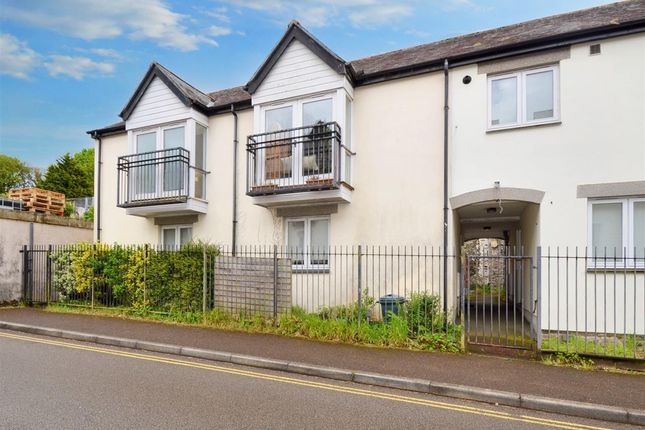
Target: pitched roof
{"points": [[228, 96], [189, 95], [296, 32], [624, 17], [535, 32]]}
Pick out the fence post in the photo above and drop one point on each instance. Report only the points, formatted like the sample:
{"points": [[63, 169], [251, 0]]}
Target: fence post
{"points": [[145, 266], [204, 283], [25, 272], [539, 298], [93, 258], [48, 279], [275, 283], [360, 283]]}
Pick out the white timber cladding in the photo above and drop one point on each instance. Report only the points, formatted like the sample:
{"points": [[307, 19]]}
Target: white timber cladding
{"points": [[158, 105], [298, 72]]}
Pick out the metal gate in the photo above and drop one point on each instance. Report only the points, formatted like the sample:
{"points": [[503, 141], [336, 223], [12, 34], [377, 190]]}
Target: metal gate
{"points": [[37, 275], [500, 306]]}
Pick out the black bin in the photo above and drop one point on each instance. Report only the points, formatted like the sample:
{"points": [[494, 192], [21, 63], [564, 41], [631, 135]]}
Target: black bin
{"points": [[391, 303]]}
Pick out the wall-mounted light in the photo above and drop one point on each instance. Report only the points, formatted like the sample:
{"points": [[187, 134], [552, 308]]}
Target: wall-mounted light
{"points": [[466, 79], [491, 210]]}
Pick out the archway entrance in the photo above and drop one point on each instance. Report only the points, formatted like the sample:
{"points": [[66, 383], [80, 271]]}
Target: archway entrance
{"points": [[498, 233]]}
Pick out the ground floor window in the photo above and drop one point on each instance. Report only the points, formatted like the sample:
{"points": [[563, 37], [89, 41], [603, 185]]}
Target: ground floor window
{"points": [[617, 229], [307, 241], [176, 235]]}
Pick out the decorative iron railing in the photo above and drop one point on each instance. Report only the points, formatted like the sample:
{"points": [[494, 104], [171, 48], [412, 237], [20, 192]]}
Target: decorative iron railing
{"points": [[158, 177], [309, 158]]}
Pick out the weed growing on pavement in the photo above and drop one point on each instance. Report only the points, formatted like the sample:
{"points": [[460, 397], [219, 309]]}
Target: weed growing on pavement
{"points": [[567, 359], [298, 323]]}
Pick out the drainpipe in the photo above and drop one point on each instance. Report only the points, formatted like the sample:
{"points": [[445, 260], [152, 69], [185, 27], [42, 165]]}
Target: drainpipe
{"points": [[97, 204], [445, 186], [235, 142]]}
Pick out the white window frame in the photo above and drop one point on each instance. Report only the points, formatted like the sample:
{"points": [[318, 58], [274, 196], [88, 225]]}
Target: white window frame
{"points": [[189, 144], [627, 260], [296, 105], [307, 265], [177, 229], [520, 77]]}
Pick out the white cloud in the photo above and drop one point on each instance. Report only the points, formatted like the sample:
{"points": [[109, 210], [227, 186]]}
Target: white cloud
{"points": [[76, 67], [106, 52], [216, 30], [16, 58], [100, 19], [220, 13], [320, 13]]}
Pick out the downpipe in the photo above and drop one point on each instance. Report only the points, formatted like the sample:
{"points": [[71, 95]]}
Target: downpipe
{"points": [[97, 204], [235, 145], [445, 189]]}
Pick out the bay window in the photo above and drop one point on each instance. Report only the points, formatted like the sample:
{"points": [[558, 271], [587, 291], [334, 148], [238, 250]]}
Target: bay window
{"points": [[523, 98]]}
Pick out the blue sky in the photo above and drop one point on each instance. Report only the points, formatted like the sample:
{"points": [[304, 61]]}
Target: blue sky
{"points": [[68, 66]]}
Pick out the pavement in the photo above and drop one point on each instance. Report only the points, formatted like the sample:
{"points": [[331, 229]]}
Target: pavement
{"points": [[475, 372], [53, 384]]}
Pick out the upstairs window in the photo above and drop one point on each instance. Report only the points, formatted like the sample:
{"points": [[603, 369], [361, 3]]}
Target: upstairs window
{"points": [[523, 98], [617, 231]]}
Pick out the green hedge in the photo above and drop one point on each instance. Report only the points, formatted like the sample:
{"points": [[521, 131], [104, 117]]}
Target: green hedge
{"points": [[140, 277]]}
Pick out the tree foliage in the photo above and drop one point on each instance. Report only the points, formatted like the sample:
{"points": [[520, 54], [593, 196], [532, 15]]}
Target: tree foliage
{"points": [[71, 175], [14, 174]]}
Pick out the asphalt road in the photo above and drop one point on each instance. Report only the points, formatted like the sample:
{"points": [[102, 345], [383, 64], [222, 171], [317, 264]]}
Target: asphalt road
{"points": [[47, 383]]}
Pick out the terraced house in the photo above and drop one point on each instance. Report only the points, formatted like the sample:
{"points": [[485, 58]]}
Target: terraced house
{"points": [[533, 134]]}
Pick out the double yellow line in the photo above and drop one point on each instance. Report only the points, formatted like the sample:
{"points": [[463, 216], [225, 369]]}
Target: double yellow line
{"points": [[312, 384]]}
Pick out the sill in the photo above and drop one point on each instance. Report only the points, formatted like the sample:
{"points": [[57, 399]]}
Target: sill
{"points": [[616, 269], [322, 270], [519, 126]]}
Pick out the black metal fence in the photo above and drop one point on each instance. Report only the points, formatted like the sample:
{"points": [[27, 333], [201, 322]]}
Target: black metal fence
{"points": [[593, 301], [559, 300]]}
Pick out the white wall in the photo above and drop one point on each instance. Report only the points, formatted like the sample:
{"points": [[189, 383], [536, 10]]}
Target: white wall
{"points": [[116, 226], [158, 105], [297, 72], [601, 137]]}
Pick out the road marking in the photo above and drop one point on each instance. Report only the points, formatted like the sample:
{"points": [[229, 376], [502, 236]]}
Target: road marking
{"points": [[312, 384]]}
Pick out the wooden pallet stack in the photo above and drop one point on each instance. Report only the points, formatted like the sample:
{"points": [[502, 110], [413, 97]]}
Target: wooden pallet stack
{"points": [[41, 201]]}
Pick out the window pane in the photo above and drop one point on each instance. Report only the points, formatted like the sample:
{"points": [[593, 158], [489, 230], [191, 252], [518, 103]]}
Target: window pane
{"points": [[639, 228], [503, 101], [146, 142], [144, 173], [296, 240], [278, 119], [185, 235], [168, 237], [278, 162], [319, 241], [316, 151], [318, 111], [200, 154], [173, 138], [539, 95], [607, 229], [174, 170], [347, 140]]}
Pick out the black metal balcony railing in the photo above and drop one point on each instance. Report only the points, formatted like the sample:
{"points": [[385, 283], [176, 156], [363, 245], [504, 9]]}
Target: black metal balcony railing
{"points": [[297, 159], [157, 178]]}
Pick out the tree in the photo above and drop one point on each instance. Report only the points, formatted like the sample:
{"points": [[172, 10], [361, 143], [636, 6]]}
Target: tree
{"points": [[14, 174], [69, 177], [85, 159]]}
